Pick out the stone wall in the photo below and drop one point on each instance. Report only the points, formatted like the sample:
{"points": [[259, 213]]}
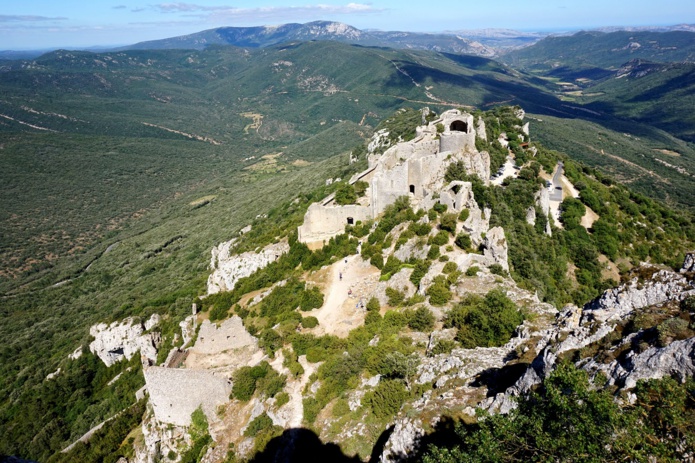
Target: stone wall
{"points": [[175, 393], [321, 223]]}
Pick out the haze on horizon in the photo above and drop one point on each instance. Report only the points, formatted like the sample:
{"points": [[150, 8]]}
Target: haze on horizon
{"points": [[44, 24]]}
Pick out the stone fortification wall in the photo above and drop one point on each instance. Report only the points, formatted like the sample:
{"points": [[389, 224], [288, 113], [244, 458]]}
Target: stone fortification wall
{"points": [[451, 142], [387, 185], [324, 222], [228, 269], [231, 334], [175, 393]]}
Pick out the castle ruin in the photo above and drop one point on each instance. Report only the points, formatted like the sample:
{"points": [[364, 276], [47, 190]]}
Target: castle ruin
{"points": [[415, 169]]}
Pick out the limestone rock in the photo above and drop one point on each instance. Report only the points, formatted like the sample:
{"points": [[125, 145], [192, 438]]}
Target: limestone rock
{"points": [[689, 263], [531, 216], [480, 130], [121, 340], [617, 303], [495, 245], [677, 360], [228, 269], [402, 440]]}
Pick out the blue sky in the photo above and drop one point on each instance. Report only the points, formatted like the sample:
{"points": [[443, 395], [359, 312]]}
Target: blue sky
{"points": [[32, 24]]}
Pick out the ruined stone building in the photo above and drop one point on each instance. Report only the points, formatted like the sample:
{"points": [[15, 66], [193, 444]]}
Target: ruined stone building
{"points": [[415, 168]]}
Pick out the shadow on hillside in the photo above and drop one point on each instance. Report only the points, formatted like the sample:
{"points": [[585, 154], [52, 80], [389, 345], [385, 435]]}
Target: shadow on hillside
{"points": [[301, 445]]}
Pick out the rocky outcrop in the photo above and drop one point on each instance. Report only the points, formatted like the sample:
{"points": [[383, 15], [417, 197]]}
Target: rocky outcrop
{"points": [[495, 247], [531, 216], [543, 202], [689, 263], [402, 440], [228, 269], [577, 328], [477, 162], [480, 129], [676, 360], [618, 303], [121, 340]]}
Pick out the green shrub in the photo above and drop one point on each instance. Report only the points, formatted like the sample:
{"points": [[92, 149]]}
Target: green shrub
{"points": [[440, 239], [448, 223], [395, 296], [497, 269], [341, 407], [391, 266], [453, 277], [387, 398], [422, 319], [439, 293], [394, 319], [443, 346], [218, 312], [345, 194], [244, 384], [463, 216], [259, 424], [420, 270], [315, 354], [450, 267], [372, 317], [310, 322], [291, 362], [433, 253], [440, 208], [373, 304], [486, 322], [377, 261], [463, 241], [472, 271], [432, 215], [420, 229], [311, 299], [281, 399]]}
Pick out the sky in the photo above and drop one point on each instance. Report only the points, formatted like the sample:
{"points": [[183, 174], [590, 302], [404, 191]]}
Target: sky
{"points": [[43, 24]]}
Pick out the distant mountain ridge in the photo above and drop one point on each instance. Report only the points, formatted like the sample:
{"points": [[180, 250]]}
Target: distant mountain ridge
{"points": [[264, 36]]}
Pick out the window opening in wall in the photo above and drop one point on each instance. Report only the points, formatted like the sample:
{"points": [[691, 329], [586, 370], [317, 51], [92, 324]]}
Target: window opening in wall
{"points": [[412, 189], [350, 221], [458, 126]]}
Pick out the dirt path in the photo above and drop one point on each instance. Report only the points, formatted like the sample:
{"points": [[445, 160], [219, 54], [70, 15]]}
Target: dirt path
{"points": [[339, 313]]}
